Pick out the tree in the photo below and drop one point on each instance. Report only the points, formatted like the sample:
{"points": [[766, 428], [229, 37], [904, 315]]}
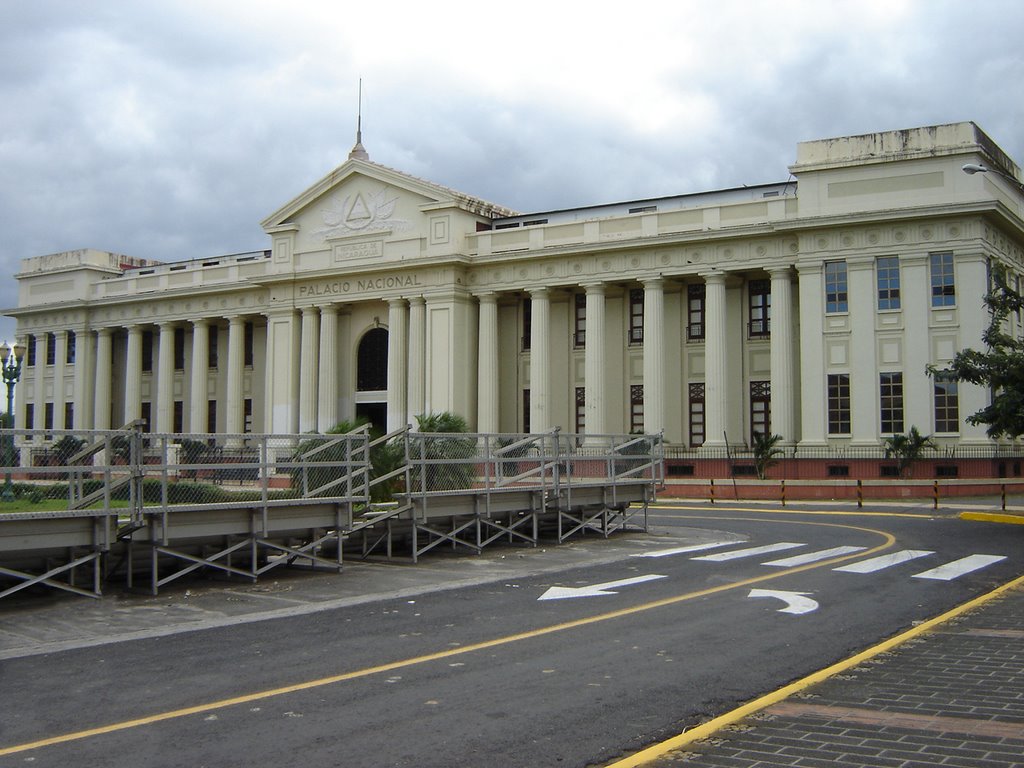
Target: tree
{"points": [[765, 449], [443, 452], [1000, 367], [907, 449]]}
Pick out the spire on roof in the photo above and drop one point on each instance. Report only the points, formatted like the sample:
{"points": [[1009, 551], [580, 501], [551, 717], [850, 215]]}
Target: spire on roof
{"points": [[358, 151]]}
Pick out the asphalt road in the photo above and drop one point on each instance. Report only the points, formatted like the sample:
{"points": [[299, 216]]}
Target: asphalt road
{"points": [[489, 674]]}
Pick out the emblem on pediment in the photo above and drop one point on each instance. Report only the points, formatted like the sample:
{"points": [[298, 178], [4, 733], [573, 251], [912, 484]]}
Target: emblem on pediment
{"points": [[360, 213]]}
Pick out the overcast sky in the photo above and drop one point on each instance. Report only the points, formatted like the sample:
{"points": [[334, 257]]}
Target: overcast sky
{"points": [[170, 129]]}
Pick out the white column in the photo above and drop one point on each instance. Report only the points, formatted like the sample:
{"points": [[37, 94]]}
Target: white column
{"points": [[104, 365], [915, 300], [327, 383], [398, 375], [308, 376], [865, 420], [540, 360], [59, 364], [234, 418], [783, 395], [812, 355], [715, 342], [487, 365], [165, 380], [971, 283], [84, 383], [594, 362], [654, 356], [133, 376], [40, 384], [417, 357], [200, 373]]}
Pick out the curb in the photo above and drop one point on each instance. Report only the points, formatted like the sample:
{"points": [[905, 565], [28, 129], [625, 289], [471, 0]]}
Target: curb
{"points": [[993, 517]]}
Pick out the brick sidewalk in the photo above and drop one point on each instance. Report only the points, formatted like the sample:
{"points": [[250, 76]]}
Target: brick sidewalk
{"points": [[953, 696]]}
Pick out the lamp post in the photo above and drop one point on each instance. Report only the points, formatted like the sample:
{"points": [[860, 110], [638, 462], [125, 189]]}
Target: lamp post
{"points": [[10, 366], [972, 168]]}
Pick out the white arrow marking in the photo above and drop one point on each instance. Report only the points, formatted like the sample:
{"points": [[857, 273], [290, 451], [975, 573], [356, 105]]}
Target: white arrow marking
{"points": [[796, 602], [593, 590], [682, 550]]}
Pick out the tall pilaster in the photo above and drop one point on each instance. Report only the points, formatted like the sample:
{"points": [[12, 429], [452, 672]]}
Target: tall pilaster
{"points": [[812, 354], [133, 376], [540, 360], [59, 364], [200, 373], [308, 376], [783, 391], [327, 384], [104, 370], [594, 362], [487, 365], [165, 380], [715, 369], [38, 420], [864, 404], [417, 357], [234, 423], [654, 356], [85, 394], [398, 358]]}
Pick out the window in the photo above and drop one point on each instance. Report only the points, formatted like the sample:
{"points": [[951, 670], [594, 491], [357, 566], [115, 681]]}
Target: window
{"points": [[69, 350], [30, 353], [947, 404], [179, 417], [579, 336], [887, 270], [247, 415], [759, 294], [51, 348], [636, 316], [211, 355], [839, 403], [211, 416], [69, 415], [891, 389], [147, 350], [581, 409], [147, 414], [179, 349], [636, 408], [372, 361], [760, 408], [695, 298], [943, 287], [527, 324], [48, 416], [526, 411], [835, 286], [30, 416], [696, 415], [250, 347]]}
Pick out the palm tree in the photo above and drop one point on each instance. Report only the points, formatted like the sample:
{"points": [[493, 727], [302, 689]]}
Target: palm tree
{"points": [[907, 449], [765, 449]]}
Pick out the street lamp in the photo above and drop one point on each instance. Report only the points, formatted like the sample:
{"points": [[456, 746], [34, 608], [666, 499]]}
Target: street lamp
{"points": [[10, 366], [972, 168]]}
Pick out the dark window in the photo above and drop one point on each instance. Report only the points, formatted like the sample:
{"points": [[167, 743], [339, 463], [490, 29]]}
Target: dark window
{"points": [[147, 350], [211, 355], [372, 358], [51, 349], [30, 354], [943, 285], [695, 298], [947, 404], [760, 297], [247, 415], [581, 409], [636, 316], [760, 408], [211, 416], [839, 403], [696, 415], [147, 414], [579, 336], [888, 273], [891, 389], [835, 286], [48, 416], [69, 415], [946, 470], [70, 351], [250, 346], [527, 324], [30, 416], [636, 408], [179, 417], [839, 470], [179, 349], [526, 410]]}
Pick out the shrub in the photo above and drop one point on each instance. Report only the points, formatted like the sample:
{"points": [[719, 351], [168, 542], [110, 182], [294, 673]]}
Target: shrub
{"points": [[443, 453]]}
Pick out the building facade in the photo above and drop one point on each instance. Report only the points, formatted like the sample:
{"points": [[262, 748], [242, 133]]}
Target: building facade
{"points": [[808, 308]]}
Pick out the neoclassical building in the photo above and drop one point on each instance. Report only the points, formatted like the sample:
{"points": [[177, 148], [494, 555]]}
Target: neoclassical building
{"points": [[808, 308]]}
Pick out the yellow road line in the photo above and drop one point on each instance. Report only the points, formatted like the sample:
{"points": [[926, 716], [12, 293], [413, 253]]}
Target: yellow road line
{"points": [[889, 540], [705, 730]]}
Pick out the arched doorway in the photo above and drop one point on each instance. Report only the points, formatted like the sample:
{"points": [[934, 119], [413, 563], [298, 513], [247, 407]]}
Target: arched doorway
{"points": [[372, 378]]}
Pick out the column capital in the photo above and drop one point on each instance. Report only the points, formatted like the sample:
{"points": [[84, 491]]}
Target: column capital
{"points": [[713, 278], [487, 297], [330, 309], [417, 301], [200, 322], [397, 303], [780, 270], [652, 282], [594, 289]]}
